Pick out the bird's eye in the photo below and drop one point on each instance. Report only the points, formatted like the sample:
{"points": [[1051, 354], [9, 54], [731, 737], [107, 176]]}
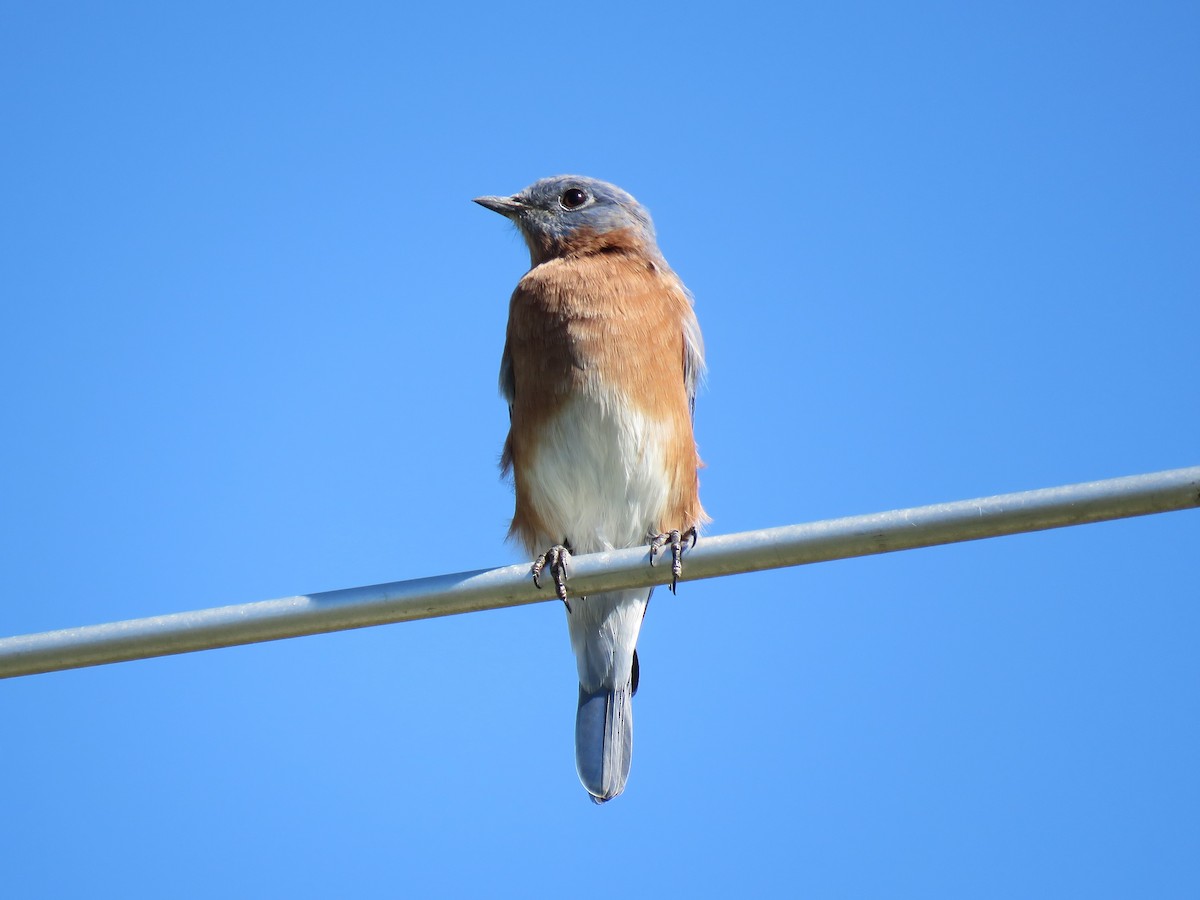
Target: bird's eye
{"points": [[573, 198]]}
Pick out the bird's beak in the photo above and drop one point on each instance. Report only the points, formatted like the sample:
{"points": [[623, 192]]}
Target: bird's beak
{"points": [[506, 206]]}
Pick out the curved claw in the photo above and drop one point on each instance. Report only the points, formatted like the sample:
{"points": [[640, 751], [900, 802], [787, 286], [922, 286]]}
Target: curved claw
{"points": [[557, 558], [675, 539]]}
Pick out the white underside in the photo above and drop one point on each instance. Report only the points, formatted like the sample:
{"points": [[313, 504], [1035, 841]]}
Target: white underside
{"points": [[598, 477], [598, 481]]}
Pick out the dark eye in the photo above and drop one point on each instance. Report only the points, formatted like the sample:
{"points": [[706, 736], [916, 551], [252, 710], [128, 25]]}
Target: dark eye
{"points": [[573, 198]]}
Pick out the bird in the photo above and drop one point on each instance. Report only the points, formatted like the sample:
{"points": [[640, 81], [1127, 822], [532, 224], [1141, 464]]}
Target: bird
{"points": [[601, 362]]}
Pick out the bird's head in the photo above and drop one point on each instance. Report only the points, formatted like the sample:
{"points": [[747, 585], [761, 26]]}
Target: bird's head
{"points": [[572, 214]]}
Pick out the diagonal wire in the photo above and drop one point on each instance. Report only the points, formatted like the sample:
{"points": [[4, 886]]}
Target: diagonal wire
{"points": [[749, 551]]}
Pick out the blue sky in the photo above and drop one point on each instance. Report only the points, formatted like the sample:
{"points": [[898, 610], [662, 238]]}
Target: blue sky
{"points": [[252, 330]]}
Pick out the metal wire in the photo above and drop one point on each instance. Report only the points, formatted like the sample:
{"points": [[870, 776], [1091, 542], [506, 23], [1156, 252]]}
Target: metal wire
{"points": [[749, 551]]}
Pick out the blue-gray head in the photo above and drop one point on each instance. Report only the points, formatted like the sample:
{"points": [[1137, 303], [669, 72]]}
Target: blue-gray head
{"points": [[570, 213]]}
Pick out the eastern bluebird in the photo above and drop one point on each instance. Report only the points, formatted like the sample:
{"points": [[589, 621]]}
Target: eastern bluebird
{"points": [[600, 365]]}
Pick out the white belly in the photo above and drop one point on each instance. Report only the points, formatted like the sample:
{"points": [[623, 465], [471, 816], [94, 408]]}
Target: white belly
{"points": [[597, 478]]}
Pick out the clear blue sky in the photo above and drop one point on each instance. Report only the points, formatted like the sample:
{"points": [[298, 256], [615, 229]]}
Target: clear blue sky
{"points": [[252, 324]]}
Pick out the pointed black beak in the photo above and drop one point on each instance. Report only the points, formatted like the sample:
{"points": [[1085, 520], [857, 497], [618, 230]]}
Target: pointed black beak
{"points": [[506, 206]]}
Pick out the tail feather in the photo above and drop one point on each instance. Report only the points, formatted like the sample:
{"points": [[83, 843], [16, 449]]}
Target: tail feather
{"points": [[604, 741], [604, 631]]}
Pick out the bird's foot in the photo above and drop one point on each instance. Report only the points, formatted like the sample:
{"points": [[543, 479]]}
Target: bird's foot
{"points": [[675, 539], [556, 558]]}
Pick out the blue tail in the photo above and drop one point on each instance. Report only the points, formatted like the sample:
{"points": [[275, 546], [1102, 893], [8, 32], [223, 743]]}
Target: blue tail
{"points": [[604, 632], [604, 741]]}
